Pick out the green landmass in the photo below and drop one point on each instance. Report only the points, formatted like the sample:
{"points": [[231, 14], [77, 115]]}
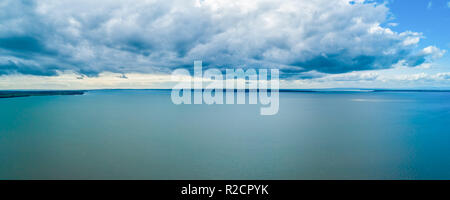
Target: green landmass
{"points": [[13, 94]]}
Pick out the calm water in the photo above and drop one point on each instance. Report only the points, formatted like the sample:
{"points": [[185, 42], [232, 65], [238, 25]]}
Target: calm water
{"points": [[142, 135]]}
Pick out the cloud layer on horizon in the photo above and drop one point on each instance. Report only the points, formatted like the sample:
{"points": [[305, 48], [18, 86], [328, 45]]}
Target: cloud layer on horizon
{"points": [[303, 38]]}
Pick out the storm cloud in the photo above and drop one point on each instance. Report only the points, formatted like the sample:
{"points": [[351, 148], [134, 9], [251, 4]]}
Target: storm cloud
{"points": [[302, 38]]}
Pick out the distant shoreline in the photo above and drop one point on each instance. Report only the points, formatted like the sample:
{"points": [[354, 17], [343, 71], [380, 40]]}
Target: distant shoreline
{"points": [[15, 94], [29, 93], [329, 90]]}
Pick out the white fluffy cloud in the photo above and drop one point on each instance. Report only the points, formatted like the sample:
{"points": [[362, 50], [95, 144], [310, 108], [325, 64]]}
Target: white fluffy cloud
{"points": [[151, 36], [444, 76]]}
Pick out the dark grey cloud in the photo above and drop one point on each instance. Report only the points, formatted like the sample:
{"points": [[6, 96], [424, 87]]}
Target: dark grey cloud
{"points": [[11, 67], [305, 39]]}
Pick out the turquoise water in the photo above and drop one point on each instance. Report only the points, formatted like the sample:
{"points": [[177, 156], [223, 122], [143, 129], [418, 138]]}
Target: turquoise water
{"points": [[140, 134]]}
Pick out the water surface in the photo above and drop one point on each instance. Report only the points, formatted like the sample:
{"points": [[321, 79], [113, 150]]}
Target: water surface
{"points": [[140, 134]]}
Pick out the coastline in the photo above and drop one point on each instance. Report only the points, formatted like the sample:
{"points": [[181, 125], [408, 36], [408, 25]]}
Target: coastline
{"points": [[15, 94]]}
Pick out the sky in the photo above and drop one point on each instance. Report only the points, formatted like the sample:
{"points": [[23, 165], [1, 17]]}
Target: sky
{"points": [[84, 44]]}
